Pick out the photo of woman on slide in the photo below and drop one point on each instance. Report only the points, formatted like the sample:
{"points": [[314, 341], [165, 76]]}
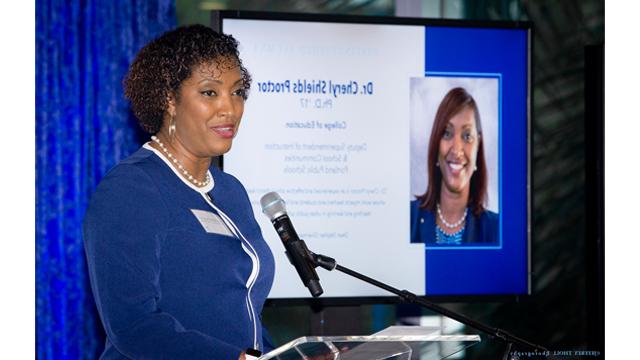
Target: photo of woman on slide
{"points": [[452, 210]]}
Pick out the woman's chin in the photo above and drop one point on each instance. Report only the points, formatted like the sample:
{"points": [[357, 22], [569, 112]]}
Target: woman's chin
{"points": [[457, 187], [219, 149]]}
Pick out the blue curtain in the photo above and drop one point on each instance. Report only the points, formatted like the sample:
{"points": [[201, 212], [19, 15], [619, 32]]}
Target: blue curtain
{"points": [[83, 128]]}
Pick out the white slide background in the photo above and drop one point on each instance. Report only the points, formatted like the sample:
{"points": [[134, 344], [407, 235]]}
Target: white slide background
{"points": [[341, 162]]}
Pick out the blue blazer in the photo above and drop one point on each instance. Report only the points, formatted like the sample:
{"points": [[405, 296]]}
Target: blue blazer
{"points": [[478, 229], [167, 287]]}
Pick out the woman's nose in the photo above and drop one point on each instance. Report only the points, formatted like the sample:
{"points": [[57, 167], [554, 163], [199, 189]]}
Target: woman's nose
{"points": [[458, 147], [227, 107]]}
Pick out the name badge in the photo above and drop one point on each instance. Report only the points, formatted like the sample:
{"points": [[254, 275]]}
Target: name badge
{"points": [[212, 223]]}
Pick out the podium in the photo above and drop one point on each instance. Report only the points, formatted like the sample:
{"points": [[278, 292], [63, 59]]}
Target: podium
{"points": [[394, 342]]}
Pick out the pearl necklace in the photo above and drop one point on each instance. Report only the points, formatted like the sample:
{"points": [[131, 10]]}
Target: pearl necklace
{"points": [[178, 164], [457, 223]]}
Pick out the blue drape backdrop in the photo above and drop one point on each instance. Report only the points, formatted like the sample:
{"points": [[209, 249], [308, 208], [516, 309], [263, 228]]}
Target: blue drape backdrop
{"points": [[83, 128]]}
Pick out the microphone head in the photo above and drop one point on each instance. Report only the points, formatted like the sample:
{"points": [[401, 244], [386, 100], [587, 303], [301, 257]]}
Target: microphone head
{"points": [[272, 205]]}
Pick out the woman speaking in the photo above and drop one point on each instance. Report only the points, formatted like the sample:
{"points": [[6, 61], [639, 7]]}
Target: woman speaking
{"points": [[451, 211], [178, 266]]}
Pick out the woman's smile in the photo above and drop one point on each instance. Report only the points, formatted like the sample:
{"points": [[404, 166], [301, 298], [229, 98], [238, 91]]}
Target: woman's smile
{"points": [[226, 131], [456, 167]]}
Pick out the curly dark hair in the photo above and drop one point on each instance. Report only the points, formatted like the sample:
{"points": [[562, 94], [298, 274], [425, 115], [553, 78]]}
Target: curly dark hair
{"points": [[161, 66]]}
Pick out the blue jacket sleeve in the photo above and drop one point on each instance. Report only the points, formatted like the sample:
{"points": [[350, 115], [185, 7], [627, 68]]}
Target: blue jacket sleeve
{"points": [[123, 231]]}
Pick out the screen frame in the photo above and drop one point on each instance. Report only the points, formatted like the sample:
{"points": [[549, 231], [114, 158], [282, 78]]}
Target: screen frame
{"points": [[217, 17]]}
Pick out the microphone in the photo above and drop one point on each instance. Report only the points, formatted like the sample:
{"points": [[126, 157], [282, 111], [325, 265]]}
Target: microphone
{"points": [[296, 250]]}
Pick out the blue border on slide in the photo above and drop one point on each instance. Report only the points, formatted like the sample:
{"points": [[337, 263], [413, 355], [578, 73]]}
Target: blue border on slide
{"points": [[455, 50], [481, 75]]}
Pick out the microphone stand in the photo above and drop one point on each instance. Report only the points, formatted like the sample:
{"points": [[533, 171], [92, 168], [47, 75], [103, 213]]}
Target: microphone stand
{"points": [[330, 264]]}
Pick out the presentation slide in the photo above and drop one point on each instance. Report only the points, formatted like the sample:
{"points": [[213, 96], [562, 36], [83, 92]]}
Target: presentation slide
{"points": [[360, 126], [330, 136]]}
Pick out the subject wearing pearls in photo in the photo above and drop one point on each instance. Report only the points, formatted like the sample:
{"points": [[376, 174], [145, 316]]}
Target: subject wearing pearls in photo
{"points": [[457, 179]]}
